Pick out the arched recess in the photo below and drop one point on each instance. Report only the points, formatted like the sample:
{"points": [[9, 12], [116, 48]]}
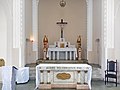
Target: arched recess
{"points": [[6, 6], [89, 25], [3, 34]]}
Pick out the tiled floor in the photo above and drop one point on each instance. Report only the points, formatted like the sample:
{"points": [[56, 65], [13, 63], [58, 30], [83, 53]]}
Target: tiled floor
{"points": [[96, 85]]}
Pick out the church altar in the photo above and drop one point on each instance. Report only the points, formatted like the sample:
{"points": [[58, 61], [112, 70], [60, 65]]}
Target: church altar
{"points": [[62, 53], [62, 50], [63, 76]]}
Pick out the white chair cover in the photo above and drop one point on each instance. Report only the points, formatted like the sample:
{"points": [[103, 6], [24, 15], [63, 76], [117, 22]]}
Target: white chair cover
{"points": [[22, 75], [8, 77]]}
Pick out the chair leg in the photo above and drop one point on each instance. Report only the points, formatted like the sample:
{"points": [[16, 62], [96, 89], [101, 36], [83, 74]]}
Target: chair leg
{"points": [[105, 80], [116, 82]]}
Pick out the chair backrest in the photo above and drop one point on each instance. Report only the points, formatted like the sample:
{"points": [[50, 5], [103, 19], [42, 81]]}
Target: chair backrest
{"points": [[112, 66]]}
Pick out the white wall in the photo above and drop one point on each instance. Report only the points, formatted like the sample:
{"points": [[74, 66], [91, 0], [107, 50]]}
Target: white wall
{"points": [[3, 36], [117, 27], [95, 54], [30, 54], [117, 34]]}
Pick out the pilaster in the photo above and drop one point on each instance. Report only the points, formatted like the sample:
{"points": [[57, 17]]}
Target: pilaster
{"points": [[35, 25], [89, 25]]}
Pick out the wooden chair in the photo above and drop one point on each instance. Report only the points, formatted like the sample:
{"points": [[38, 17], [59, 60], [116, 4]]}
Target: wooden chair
{"points": [[111, 71]]}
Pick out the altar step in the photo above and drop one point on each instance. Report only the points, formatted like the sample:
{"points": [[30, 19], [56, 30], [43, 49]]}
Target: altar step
{"points": [[32, 70], [62, 61], [96, 72]]}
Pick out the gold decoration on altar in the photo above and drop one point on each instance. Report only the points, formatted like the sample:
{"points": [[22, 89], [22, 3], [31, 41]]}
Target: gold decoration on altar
{"points": [[45, 47], [79, 49], [63, 76], [45, 42], [45, 39], [61, 45], [79, 41]]}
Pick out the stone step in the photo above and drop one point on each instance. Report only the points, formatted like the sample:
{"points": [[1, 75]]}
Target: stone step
{"points": [[32, 73], [96, 73], [62, 61]]}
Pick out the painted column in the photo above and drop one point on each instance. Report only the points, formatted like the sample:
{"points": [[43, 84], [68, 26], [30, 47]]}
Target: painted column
{"points": [[57, 55], [48, 77], [66, 54], [50, 55], [53, 55], [86, 77], [41, 77], [82, 77], [78, 77], [70, 55], [74, 56]]}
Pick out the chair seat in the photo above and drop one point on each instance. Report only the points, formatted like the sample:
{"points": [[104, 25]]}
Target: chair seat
{"points": [[111, 75]]}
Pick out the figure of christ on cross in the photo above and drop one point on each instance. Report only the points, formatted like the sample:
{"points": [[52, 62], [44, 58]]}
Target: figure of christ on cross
{"points": [[62, 23]]}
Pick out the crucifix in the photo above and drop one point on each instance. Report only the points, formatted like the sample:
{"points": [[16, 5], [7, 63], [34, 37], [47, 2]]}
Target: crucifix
{"points": [[61, 23]]}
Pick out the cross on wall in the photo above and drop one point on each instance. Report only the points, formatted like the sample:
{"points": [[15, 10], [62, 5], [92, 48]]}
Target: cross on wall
{"points": [[61, 23]]}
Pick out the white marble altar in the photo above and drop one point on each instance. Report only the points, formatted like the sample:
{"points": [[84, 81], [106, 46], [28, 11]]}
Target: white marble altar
{"points": [[56, 53], [62, 50], [63, 76]]}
